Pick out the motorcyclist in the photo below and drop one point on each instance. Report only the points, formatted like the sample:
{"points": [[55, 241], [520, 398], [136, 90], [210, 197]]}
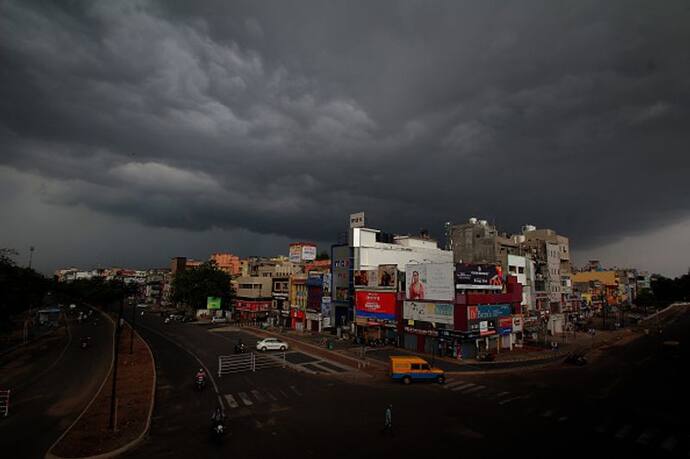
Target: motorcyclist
{"points": [[201, 374], [239, 347]]}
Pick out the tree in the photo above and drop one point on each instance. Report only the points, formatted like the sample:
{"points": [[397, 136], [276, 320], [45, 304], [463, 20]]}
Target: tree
{"points": [[20, 288], [192, 287], [323, 255]]}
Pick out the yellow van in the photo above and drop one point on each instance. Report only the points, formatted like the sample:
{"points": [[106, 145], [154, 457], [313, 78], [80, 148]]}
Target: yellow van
{"points": [[407, 368]]}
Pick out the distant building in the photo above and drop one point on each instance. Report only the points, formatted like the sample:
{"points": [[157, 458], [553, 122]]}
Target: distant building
{"points": [[479, 242], [227, 262]]}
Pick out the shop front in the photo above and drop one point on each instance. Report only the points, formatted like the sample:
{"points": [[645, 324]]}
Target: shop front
{"points": [[375, 315], [420, 339], [252, 309], [313, 321], [297, 318]]}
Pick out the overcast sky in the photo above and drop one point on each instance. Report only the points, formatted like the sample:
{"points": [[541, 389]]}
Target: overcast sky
{"points": [[132, 132]]}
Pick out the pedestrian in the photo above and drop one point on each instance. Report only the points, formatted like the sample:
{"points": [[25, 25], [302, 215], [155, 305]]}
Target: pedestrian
{"points": [[388, 420]]}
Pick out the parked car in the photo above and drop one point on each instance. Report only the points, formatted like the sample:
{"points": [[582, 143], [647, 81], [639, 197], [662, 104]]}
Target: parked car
{"points": [[271, 344], [218, 320], [407, 368]]}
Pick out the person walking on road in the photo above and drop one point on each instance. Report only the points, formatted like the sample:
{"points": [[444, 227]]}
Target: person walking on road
{"points": [[388, 420]]}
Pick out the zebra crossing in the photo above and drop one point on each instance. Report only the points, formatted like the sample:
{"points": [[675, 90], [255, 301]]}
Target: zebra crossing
{"points": [[647, 436], [651, 437], [245, 399], [476, 390]]}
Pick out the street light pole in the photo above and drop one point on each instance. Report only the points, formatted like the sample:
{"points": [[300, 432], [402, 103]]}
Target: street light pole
{"points": [[131, 334], [113, 392]]}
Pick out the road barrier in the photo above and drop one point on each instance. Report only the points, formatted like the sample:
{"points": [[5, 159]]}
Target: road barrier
{"points": [[4, 402], [241, 363]]}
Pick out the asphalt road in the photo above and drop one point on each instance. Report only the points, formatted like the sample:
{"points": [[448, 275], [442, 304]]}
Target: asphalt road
{"points": [[629, 402], [57, 380]]}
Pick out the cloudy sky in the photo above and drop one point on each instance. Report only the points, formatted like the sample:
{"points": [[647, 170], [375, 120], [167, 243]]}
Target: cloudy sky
{"points": [[133, 131]]}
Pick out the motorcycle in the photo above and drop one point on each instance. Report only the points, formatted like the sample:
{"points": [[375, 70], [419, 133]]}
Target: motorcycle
{"points": [[240, 348], [576, 359], [217, 431], [200, 383], [85, 342]]}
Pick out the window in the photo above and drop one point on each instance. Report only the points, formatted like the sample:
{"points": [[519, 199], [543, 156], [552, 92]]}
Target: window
{"points": [[521, 269], [511, 269], [425, 366], [416, 366]]}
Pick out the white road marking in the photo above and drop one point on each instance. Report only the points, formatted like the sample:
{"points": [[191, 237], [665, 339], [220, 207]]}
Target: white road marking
{"points": [[602, 427], [474, 389], [283, 394], [463, 387], [231, 401], [512, 399], [271, 396], [623, 431], [245, 398], [646, 436], [257, 395], [563, 419], [450, 384], [669, 443], [502, 394], [294, 389], [547, 414]]}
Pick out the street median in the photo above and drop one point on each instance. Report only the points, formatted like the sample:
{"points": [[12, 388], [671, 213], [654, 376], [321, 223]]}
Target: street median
{"points": [[91, 435]]}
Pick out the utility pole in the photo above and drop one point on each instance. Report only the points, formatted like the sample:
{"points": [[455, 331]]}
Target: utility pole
{"points": [[131, 334], [31, 255], [113, 392]]}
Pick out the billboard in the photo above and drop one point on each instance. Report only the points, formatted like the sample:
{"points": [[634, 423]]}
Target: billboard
{"points": [[377, 305], [491, 311], [429, 281], [505, 325], [388, 276], [478, 276], [366, 278], [357, 220], [295, 255], [213, 302], [428, 312], [326, 306], [308, 252]]}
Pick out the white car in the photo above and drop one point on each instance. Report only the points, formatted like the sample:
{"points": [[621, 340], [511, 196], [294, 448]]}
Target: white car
{"points": [[271, 344], [218, 320]]}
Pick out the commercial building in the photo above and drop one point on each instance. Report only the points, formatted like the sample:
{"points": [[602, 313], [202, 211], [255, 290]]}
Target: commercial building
{"points": [[477, 241], [366, 276], [253, 297], [227, 262]]}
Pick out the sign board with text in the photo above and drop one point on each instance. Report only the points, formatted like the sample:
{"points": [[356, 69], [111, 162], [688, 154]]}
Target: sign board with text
{"points": [[441, 313], [429, 281], [213, 302]]}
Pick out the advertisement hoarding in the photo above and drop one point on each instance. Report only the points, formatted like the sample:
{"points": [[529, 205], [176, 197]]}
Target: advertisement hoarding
{"points": [[388, 276], [295, 254], [308, 252], [478, 276], [357, 220], [326, 306], [366, 278], [428, 312], [378, 305], [505, 325], [429, 281], [491, 311], [213, 302]]}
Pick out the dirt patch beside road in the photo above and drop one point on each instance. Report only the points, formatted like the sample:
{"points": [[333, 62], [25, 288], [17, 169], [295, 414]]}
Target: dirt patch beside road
{"points": [[91, 435]]}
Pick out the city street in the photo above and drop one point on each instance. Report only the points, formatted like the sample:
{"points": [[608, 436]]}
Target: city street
{"points": [[57, 379], [627, 401]]}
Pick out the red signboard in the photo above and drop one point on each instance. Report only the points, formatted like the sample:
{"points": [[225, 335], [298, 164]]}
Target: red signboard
{"points": [[252, 306], [472, 313], [379, 305]]}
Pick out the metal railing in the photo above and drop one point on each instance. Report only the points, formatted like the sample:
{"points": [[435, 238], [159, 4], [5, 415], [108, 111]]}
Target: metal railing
{"points": [[241, 363], [4, 402]]}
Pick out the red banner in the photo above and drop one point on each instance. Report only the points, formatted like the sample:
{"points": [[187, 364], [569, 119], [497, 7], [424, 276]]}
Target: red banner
{"points": [[379, 305], [252, 306]]}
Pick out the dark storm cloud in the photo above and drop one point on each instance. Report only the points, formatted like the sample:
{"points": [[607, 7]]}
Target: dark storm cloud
{"points": [[282, 119]]}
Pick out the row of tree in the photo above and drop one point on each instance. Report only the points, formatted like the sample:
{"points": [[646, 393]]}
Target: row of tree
{"points": [[665, 291]]}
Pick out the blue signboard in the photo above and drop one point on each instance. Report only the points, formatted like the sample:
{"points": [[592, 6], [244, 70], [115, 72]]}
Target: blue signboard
{"points": [[491, 311]]}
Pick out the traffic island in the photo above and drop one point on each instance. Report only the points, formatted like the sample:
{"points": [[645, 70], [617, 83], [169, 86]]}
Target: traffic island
{"points": [[92, 434]]}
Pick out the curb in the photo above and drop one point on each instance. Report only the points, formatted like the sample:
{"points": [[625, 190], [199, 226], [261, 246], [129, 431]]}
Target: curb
{"points": [[49, 454], [356, 365], [661, 311], [136, 441]]}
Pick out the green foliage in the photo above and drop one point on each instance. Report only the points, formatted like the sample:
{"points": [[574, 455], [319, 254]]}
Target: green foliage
{"points": [[191, 287], [323, 255], [665, 291], [20, 288], [95, 291]]}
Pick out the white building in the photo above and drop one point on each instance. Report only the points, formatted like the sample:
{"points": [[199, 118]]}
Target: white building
{"points": [[370, 250], [523, 268]]}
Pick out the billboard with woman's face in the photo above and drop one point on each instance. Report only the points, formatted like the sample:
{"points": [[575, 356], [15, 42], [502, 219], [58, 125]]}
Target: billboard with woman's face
{"points": [[429, 281]]}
